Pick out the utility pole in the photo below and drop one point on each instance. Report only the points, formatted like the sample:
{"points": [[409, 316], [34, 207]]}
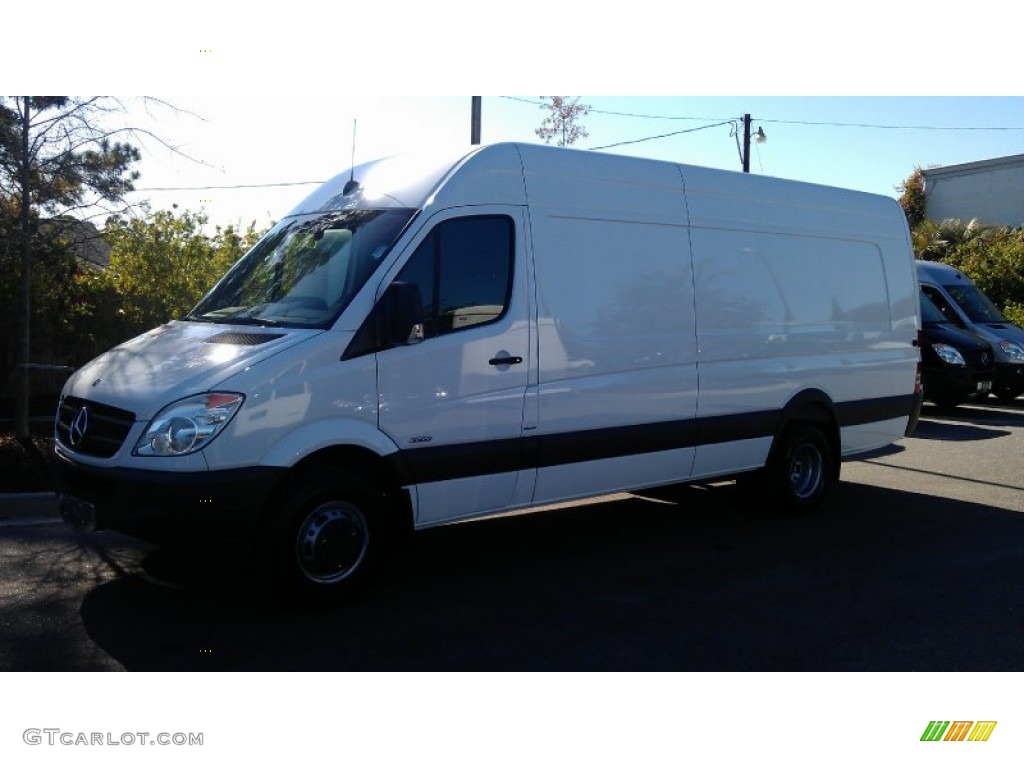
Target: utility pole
{"points": [[759, 137], [746, 143], [474, 133]]}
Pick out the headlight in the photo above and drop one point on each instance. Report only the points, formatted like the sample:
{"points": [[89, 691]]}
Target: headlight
{"points": [[950, 355], [188, 425], [1013, 351]]}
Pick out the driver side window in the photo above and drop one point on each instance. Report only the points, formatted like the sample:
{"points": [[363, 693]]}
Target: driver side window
{"points": [[463, 270], [941, 303]]}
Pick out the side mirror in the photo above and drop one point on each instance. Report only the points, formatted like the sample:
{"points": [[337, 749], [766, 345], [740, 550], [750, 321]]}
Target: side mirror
{"points": [[396, 321], [400, 316]]}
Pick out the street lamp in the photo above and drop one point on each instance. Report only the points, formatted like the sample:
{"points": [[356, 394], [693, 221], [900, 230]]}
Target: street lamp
{"points": [[744, 151]]}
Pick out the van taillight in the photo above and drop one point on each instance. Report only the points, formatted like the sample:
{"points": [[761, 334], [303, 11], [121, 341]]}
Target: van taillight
{"points": [[918, 388]]}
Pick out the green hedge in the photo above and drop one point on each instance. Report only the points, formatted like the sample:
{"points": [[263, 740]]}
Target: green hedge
{"points": [[993, 257]]}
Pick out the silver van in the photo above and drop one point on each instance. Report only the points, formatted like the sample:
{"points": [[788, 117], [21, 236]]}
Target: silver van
{"points": [[963, 304]]}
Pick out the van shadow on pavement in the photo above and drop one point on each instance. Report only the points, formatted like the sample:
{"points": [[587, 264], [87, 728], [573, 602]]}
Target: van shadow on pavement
{"points": [[958, 432], [688, 579], [989, 412]]}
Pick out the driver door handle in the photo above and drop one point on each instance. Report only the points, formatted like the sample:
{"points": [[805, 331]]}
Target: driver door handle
{"points": [[508, 360]]}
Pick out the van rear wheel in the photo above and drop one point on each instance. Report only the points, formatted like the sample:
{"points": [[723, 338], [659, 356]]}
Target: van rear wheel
{"points": [[800, 468], [327, 536]]}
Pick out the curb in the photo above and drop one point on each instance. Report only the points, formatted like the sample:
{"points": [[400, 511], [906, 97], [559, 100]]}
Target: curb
{"points": [[28, 507]]}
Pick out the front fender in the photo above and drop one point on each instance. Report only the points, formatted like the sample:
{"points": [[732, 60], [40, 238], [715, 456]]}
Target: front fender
{"points": [[327, 433]]}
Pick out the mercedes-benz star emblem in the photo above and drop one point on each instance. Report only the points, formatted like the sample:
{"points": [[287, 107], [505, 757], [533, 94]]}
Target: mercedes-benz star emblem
{"points": [[81, 423]]}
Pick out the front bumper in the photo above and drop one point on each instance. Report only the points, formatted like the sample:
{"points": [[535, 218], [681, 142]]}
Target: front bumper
{"points": [[162, 506], [1009, 377], [956, 383]]}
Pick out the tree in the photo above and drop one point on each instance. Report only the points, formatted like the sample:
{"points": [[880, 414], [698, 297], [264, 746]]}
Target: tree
{"points": [[912, 198], [55, 158], [942, 240], [562, 120], [162, 263], [993, 257]]}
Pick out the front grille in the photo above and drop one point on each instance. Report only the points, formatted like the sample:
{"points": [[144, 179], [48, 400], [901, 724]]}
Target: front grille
{"points": [[979, 359], [99, 432]]}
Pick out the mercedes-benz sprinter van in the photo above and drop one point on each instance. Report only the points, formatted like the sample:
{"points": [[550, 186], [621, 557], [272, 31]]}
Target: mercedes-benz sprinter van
{"points": [[425, 340], [956, 365], [963, 304]]}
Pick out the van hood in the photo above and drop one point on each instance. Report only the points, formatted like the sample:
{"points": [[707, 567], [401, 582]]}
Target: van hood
{"points": [[947, 333], [1007, 330], [176, 360], [996, 332]]}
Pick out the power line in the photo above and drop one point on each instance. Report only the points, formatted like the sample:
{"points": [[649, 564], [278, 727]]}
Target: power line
{"points": [[227, 186], [791, 122], [618, 114], [898, 127], [661, 136]]}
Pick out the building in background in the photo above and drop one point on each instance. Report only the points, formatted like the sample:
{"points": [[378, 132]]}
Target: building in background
{"points": [[991, 191]]}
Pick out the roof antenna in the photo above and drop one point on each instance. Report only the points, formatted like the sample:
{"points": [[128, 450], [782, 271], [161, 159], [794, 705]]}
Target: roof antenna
{"points": [[352, 185]]}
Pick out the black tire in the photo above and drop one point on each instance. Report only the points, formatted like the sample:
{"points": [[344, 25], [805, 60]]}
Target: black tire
{"points": [[800, 469], [946, 403], [326, 536], [1007, 394]]}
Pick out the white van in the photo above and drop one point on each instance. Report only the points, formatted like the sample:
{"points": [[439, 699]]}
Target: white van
{"points": [[964, 304], [425, 340]]}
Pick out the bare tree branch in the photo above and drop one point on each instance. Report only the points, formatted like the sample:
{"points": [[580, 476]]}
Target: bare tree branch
{"points": [[175, 109]]}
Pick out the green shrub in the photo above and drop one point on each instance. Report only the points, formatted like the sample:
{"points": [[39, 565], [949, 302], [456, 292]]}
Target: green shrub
{"points": [[993, 257], [1015, 313]]}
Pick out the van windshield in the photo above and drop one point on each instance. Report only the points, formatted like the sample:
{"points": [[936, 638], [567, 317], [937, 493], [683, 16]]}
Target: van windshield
{"points": [[304, 271], [975, 304]]}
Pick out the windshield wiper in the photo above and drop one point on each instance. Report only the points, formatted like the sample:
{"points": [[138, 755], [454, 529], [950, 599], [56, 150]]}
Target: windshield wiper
{"points": [[219, 319], [251, 321]]}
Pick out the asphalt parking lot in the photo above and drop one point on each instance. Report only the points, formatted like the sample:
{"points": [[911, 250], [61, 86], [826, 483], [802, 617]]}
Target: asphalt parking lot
{"points": [[914, 564]]}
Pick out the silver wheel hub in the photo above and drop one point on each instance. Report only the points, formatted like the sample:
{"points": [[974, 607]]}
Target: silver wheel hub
{"points": [[806, 468], [332, 542]]}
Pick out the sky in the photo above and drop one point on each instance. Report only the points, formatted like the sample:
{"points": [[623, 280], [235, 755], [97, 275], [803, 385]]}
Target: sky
{"points": [[870, 144], [270, 95]]}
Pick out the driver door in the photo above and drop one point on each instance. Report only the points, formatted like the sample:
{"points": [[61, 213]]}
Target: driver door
{"points": [[453, 401]]}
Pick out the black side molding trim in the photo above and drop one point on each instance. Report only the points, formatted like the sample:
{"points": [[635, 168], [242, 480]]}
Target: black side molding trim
{"points": [[449, 462]]}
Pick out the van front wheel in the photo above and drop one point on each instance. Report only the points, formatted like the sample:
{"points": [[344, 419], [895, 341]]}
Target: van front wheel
{"points": [[1007, 394], [328, 535], [800, 468]]}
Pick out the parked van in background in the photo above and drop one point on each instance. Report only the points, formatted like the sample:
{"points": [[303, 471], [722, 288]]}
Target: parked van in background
{"points": [[425, 340], [955, 364], [964, 304]]}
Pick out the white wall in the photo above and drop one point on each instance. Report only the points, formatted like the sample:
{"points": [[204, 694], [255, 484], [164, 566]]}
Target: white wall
{"points": [[991, 191]]}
